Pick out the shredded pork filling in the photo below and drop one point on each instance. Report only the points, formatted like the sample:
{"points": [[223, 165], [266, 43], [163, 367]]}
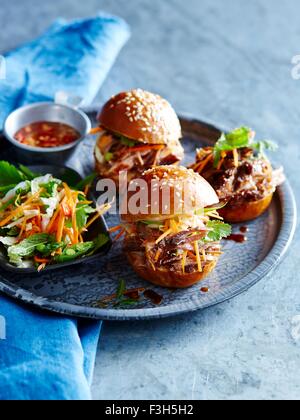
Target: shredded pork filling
{"points": [[239, 177], [175, 253], [113, 156]]}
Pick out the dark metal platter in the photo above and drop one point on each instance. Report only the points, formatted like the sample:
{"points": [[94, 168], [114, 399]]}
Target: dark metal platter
{"points": [[77, 291]]}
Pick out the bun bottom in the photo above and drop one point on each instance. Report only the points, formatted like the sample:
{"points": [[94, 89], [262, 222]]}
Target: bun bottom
{"points": [[247, 211], [164, 278]]}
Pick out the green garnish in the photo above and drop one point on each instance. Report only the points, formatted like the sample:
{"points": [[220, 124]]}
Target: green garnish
{"points": [[217, 231], [127, 142], [208, 210], [121, 299], [86, 181], [74, 252], [108, 157], [238, 139], [27, 247]]}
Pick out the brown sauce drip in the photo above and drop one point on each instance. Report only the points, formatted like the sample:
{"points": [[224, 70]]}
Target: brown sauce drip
{"points": [[204, 289], [240, 239], [244, 229], [155, 298]]}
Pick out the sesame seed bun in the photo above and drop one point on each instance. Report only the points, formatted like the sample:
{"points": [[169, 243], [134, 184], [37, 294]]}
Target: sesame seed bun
{"points": [[141, 116], [166, 278], [171, 191]]}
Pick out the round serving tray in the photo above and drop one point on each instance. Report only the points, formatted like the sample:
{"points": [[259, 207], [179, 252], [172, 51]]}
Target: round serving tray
{"points": [[78, 291]]}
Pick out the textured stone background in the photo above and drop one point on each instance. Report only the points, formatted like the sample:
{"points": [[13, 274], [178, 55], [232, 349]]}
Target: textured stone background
{"points": [[227, 62]]}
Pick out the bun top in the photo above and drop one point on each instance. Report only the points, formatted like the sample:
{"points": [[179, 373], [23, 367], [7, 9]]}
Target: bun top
{"points": [[141, 116], [168, 191]]}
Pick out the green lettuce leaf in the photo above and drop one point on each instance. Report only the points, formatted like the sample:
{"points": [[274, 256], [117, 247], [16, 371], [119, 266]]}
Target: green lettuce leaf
{"points": [[27, 247]]}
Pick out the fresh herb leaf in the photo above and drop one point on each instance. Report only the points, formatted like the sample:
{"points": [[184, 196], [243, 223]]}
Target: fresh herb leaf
{"points": [[217, 231], [13, 232], [27, 247], [108, 156], [9, 174], [125, 302], [83, 212], [86, 181], [50, 188], [264, 145], [235, 140], [121, 299], [121, 289], [238, 139]]}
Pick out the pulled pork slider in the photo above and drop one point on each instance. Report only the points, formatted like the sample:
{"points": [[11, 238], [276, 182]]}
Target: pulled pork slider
{"points": [[172, 241], [240, 173], [139, 130]]}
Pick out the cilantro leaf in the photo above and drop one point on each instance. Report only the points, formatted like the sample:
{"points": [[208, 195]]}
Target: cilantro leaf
{"points": [[83, 212], [264, 145], [217, 231], [238, 139], [235, 140]]}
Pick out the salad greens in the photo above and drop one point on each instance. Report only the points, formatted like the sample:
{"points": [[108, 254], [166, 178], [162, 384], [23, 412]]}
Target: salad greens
{"points": [[43, 220], [240, 138]]}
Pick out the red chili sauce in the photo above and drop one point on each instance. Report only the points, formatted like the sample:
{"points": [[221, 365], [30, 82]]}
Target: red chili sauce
{"points": [[47, 134]]}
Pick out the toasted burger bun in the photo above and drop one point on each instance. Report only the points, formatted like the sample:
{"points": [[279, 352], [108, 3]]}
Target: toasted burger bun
{"points": [[141, 116], [166, 278], [247, 211], [172, 191]]}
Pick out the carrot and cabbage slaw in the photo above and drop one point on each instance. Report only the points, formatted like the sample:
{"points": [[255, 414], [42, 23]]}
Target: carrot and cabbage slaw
{"points": [[43, 220]]}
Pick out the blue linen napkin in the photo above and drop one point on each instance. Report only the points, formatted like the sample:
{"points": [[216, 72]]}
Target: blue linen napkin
{"points": [[43, 356], [73, 57]]}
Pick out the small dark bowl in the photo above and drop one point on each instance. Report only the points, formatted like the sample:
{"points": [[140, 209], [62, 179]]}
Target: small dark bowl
{"points": [[98, 227], [50, 112]]}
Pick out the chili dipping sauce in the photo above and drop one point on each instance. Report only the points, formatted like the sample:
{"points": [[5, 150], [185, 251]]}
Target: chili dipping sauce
{"points": [[47, 134]]}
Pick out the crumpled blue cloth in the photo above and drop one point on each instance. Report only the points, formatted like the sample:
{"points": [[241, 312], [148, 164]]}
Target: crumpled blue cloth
{"points": [[73, 57], [44, 356]]}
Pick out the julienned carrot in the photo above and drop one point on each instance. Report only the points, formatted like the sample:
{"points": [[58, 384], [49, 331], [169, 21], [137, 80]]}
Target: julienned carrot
{"points": [[96, 130], [119, 235], [146, 147], [51, 223], [41, 260], [20, 209], [115, 229], [61, 225]]}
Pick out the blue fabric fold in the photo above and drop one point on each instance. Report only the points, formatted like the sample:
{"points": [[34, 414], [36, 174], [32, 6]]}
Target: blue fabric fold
{"points": [[44, 356], [73, 57]]}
